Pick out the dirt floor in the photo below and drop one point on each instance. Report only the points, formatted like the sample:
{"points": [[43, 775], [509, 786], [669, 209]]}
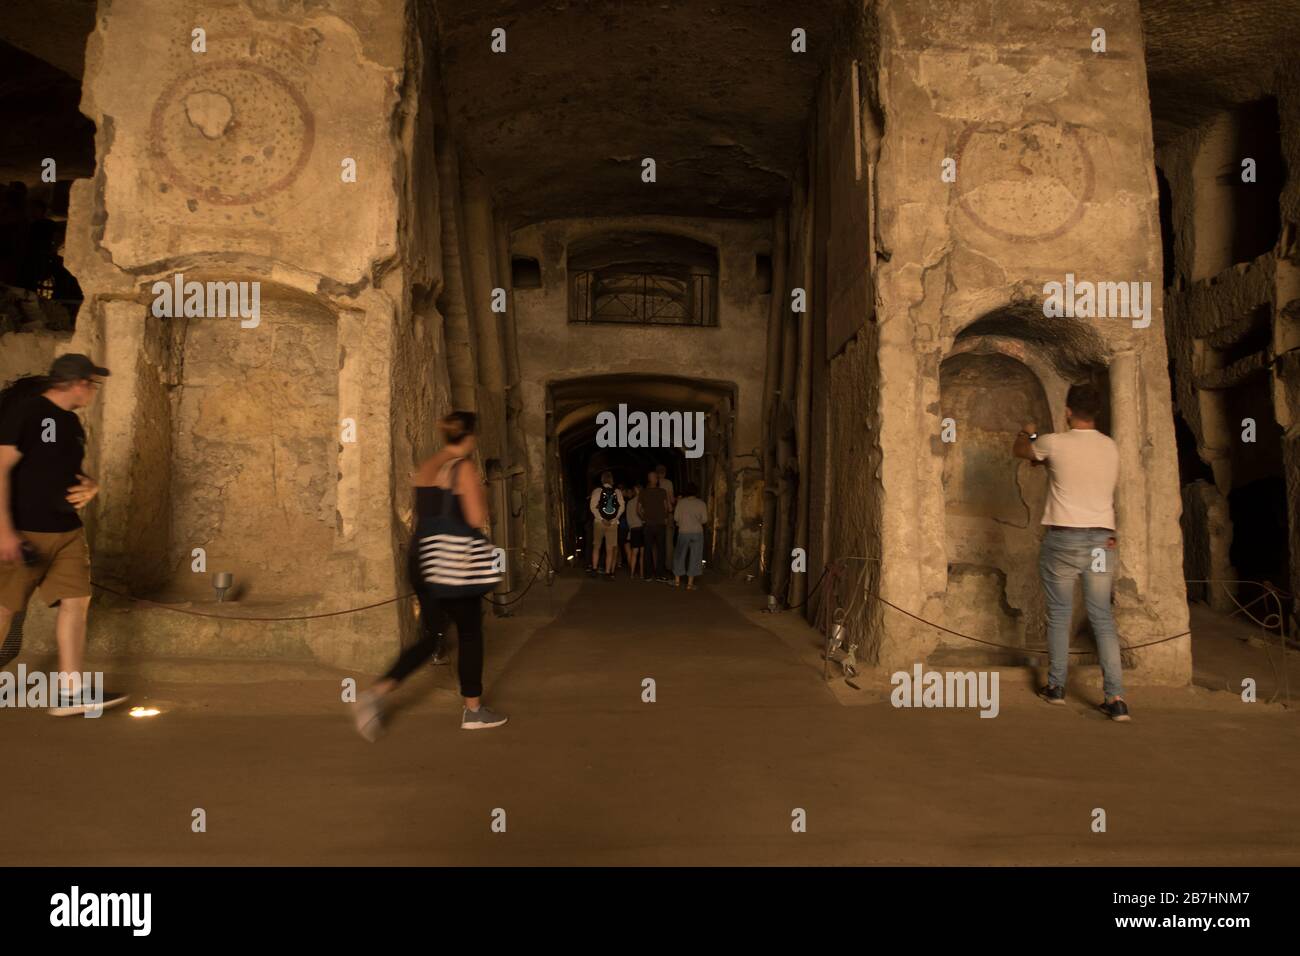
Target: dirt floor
{"points": [[743, 733]]}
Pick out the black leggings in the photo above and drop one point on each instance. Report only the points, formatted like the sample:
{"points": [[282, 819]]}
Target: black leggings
{"points": [[467, 614]]}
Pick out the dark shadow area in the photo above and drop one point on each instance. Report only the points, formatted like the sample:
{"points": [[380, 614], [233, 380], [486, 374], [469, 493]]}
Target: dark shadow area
{"points": [[1166, 200], [45, 143], [1255, 210]]}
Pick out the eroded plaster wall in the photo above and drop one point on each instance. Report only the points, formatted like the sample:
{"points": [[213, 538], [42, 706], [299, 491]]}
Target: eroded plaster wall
{"points": [[29, 353], [254, 449], [827, 403]]}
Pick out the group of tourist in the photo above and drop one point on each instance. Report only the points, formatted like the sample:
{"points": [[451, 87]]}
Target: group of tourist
{"points": [[630, 528]]}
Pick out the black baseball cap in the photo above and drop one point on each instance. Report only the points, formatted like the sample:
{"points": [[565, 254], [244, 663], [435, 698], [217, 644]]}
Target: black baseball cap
{"points": [[74, 367]]}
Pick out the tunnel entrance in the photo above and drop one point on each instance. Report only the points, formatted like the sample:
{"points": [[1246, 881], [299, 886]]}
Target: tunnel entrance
{"points": [[592, 428]]}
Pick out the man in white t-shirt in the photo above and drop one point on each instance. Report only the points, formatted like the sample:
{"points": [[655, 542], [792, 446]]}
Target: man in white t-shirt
{"points": [[1083, 469]]}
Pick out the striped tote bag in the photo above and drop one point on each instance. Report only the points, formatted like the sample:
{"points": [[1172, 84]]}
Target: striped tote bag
{"points": [[455, 559]]}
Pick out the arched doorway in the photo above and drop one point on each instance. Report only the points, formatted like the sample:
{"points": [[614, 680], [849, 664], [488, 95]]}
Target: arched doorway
{"points": [[577, 452]]}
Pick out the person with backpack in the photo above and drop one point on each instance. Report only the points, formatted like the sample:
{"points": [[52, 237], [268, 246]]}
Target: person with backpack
{"points": [[607, 508], [42, 540], [451, 567]]}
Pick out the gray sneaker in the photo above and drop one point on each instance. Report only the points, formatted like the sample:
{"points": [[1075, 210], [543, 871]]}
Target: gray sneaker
{"points": [[481, 719], [369, 716]]}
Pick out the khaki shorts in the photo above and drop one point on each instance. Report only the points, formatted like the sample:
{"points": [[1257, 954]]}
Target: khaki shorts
{"points": [[62, 570], [606, 534]]}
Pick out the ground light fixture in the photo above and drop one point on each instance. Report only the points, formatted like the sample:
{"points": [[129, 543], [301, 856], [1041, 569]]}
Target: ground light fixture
{"points": [[144, 712]]}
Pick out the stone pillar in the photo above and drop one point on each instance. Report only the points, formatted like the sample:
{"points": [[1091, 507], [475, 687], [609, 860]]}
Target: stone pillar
{"points": [[1054, 171], [252, 157], [1130, 494]]}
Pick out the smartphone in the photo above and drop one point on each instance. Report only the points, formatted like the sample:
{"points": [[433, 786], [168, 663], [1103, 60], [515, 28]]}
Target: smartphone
{"points": [[30, 554]]}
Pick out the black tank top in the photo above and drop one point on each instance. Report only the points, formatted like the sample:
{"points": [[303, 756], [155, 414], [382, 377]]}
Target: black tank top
{"points": [[429, 501]]}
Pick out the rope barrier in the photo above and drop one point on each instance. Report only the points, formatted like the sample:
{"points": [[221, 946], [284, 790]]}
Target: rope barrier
{"points": [[805, 601], [1270, 621], [832, 569], [238, 617], [523, 594], [313, 617], [1013, 647], [1276, 593]]}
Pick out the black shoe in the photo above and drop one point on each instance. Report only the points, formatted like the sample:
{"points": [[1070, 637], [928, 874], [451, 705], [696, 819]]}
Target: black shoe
{"points": [[1052, 694], [1115, 710]]}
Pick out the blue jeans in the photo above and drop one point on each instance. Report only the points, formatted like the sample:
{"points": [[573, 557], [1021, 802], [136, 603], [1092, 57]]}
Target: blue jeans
{"points": [[689, 554], [1065, 554]]}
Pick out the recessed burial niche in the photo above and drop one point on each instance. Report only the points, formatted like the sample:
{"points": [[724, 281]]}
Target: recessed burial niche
{"points": [[1005, 370], [992, 501], [257, 434]]}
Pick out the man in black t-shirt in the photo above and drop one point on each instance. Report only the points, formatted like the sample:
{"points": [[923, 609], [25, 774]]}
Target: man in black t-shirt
{"points": [[42, 542]]}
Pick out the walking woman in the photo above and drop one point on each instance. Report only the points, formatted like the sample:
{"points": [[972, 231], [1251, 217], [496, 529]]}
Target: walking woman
{"points": [[450, 573], [691, 515]]}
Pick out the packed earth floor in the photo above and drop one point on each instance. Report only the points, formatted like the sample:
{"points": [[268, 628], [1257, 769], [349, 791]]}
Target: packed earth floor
{"points": [[742, 734]]}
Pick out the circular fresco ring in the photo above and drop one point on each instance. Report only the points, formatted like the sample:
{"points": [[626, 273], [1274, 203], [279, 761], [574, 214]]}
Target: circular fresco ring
{"points": [[1082, 185], [159, 152]]}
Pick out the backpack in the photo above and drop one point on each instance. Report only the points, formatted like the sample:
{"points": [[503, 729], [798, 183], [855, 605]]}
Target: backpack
{"points": [[607, 506], [19, 390]]}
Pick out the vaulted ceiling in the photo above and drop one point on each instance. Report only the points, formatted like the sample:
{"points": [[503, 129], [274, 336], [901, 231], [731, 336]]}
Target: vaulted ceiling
{"points": [[1206, 55], [588, 88], [561, 122]]}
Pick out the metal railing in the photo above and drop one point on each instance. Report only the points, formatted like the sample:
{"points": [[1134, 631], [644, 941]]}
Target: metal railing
{"points": [[642, 298]]}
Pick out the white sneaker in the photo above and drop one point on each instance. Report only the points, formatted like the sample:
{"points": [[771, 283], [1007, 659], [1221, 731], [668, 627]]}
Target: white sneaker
{"points": [[70, 705], [369, 716]]}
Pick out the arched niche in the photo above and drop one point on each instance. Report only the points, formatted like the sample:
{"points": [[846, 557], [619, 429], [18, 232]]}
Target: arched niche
{"points": [[255, 447], [989, 396], [1005, 369]]}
